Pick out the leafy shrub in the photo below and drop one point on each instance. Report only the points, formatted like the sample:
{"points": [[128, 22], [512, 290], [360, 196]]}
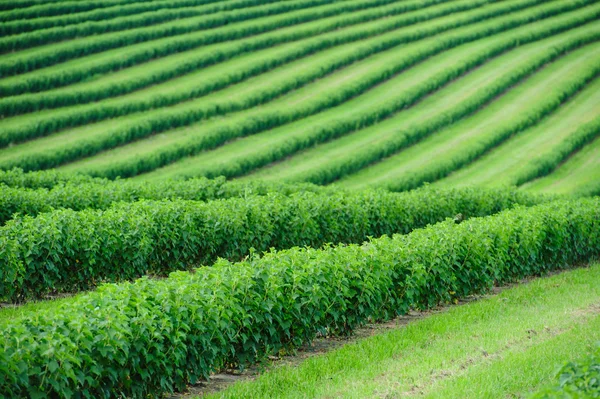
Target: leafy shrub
{"points": [[153, 336], [65, 250]]}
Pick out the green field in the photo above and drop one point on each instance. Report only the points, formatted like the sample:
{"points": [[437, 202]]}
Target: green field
{"points": [[191, 187]]}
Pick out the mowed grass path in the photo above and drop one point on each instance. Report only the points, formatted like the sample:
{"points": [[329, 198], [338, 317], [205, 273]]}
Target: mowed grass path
{"points": [[283, 140], [502, 346], [502, 165], [450, 144], [315, 162]]}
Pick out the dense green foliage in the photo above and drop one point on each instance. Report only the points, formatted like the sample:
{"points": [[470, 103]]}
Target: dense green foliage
{"points": [[175, 117], [28, 103], [67, 250], [193, 38], [266, 119], [576, 380], [80, 193], [32, 9], [153, 336], [85, 28], [97, 14], [409, 135]]}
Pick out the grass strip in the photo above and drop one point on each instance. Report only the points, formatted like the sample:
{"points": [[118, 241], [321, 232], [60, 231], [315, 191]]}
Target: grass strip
{"points": [[155, 336], [268, 117], [507, 343]]}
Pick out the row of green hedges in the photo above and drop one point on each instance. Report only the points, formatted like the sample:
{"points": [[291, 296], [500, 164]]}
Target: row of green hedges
{"points": [[268, 118], [99, 91], [407, 136], [68, 251], [154, 336], [25, 9], [93, 194], [16, 177], [187, 113], [193, 37], [102, 20]]}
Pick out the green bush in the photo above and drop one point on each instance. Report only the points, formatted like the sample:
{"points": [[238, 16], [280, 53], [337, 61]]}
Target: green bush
{"points": [[576, 380], [79, 193], [65, 250], [153, 336]]}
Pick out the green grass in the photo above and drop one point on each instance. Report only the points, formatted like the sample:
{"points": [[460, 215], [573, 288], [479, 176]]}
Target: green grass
{"points": [[345, 150], [504, 164], [577, 174], [502, 346], [449, 145], [308, 96]]}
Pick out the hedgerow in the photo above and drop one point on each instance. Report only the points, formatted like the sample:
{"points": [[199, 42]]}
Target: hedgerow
{"points": [[67, 250], [547, 163], [16, 177], [31, 102], [556, 96], [193, 38], [153, 336], [331, 171], [88, 193], [35, 9], [97, 112], [576, 380], [269, 118], [162, 8], [219, 15]]}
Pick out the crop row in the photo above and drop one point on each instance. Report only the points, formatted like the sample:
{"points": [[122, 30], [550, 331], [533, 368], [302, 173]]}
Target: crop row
{"points": [[439, 168], [218, 15], [191, 27], [78, 194], [435, 120], [142, 339], [264, 119], [28, 25], [36, 9], [547, 163], [68, 251], [32, 102], [556, 96]]}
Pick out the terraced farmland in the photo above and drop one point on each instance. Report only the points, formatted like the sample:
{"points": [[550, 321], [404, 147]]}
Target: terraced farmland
{"points": [[379, 93], [212, 184]]}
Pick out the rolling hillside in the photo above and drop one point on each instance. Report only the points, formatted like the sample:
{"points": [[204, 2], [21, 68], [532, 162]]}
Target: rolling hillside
{"points": [[380, 93]]}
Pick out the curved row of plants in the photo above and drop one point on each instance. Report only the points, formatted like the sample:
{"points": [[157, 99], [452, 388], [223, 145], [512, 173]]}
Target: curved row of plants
{"points": [[66, 251], [44, 179], [188, 19], [35, 101], [35, 9], [268, 118], [185, 35], [341, 166], [547, 163], [78, 194], [153, 336], [21, 26], [442, 166]]}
